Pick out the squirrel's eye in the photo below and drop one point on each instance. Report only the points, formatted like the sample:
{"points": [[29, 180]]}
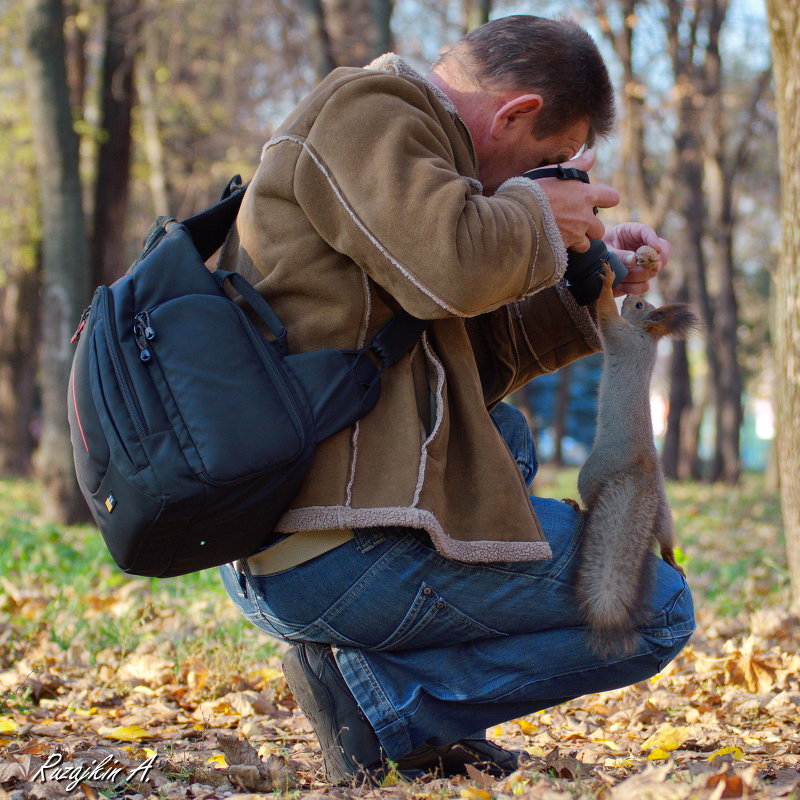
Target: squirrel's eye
{"points": [[640, 305]]}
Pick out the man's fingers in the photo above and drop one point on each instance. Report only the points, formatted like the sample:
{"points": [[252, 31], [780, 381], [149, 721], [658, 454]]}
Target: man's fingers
{"points": [[596, 229], [584, 161], [605, 196], [637, 274], [632, 288], [582, 246]]}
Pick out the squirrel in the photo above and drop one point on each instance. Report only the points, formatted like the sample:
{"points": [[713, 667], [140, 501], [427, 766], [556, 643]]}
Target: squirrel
{"points": [[621, 483]]}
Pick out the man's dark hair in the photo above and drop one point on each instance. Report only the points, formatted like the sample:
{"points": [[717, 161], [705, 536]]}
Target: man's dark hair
{"points": [[554, 58]]}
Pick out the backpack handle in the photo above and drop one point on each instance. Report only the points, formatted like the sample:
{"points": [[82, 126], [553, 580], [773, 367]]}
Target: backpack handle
{"points": [[255, 301]]}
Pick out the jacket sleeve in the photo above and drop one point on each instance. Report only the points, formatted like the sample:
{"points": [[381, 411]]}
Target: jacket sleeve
{"points": [[530, 337], [375, 176]]}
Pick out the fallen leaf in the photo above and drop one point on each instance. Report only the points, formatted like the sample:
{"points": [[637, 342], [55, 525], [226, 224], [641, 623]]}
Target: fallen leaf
{"points": [[473, 793], [218, 760], [481, 779], [566, 767], [734, 752], [11, 770], [267, 675], [648, 785], [125, 733], [667, 737], [7, 725], [146, 668], [525, 725], [274, 775], [733, 786]]}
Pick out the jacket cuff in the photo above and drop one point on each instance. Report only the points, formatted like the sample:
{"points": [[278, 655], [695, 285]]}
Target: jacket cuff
{"points": [[549, 226], [581, 316]]}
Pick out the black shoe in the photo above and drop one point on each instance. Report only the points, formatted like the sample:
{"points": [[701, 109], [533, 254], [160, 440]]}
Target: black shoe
{"points": [[452, 759], [351, 751]]}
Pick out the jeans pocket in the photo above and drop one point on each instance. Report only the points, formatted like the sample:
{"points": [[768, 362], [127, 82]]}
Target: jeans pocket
{"points": [[268, 625], [430, 621]]}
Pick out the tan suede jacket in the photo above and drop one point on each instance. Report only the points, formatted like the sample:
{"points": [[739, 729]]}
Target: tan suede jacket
{"points": [[367, 200]]}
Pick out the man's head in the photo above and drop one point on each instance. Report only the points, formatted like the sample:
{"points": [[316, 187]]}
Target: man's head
{"points": [[531, 90]]}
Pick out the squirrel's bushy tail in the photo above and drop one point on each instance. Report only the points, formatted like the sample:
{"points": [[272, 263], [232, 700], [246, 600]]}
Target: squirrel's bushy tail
{"points": [[616, 573]]}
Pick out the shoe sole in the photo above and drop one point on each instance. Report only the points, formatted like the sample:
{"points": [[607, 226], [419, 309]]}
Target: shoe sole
{"points": [[316, 703]]}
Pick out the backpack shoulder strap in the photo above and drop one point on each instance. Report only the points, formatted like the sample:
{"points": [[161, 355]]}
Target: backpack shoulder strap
{"points": [[209, 228], [397, 337]]}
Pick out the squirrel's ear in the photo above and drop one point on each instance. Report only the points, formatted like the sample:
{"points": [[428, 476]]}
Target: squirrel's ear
{"points": [[676, 320]]}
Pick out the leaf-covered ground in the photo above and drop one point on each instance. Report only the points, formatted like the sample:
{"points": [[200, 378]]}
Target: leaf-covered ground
{"points": [[119, 687]]}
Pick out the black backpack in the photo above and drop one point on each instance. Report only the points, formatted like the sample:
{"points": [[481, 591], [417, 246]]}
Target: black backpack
{"points": [[191, 430]]}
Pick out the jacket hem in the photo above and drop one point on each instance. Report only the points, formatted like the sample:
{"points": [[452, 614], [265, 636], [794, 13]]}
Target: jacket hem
{"points": [[319, 518]]}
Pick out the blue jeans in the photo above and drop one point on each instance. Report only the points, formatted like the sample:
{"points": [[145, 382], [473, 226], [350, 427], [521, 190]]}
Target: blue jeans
{"points": [[513, 427], [434, 649]]}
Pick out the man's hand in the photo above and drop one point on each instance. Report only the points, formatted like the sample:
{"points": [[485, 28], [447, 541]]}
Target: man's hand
{"points": [[572, 203], [625, 239]]}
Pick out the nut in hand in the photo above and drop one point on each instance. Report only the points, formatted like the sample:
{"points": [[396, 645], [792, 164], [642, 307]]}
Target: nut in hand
{"points": [[648, 258]]}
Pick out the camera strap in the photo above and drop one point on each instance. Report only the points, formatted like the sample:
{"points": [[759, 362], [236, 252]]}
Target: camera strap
{"points": [[560, 172]]}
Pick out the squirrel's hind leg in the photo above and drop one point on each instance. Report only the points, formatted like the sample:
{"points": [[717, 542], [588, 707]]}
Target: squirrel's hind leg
{"points": [[664, 534], [573, 504]]}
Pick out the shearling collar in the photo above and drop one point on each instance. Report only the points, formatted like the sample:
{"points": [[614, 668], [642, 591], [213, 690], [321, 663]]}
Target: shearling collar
{"points": [[397, 65]]}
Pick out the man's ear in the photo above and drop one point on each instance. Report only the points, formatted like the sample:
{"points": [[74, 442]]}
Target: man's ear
{"points": [[519, 110]]}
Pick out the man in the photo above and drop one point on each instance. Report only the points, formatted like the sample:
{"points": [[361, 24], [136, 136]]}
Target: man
{"points": [[427, 596]]}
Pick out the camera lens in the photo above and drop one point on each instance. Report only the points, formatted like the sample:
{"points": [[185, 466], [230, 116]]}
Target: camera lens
{"points": [[584, 272]]}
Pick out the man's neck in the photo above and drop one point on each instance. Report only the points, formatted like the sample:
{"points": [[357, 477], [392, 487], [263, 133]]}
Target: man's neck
{"points": [[472, 103]]}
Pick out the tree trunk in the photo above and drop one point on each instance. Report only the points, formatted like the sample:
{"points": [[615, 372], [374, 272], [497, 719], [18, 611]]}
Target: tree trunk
{"points": [[560, 413], [318, 39], [352, 32], [680, 405], [114, 157], [784, 16], [19, 322], [724, 337], [382, 21], [75, 42], [158, 178], [475, 13], [64, 249]]}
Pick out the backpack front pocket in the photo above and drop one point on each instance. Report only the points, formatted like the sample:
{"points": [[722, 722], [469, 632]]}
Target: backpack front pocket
{"points": [[231, 429]]}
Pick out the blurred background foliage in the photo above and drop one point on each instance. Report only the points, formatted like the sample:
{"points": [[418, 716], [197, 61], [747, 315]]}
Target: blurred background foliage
{"points": [[168, 99]]}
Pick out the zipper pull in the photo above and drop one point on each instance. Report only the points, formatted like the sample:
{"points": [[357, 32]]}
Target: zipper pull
{"points": [[147, 329], [81, 325], [142, 333]]}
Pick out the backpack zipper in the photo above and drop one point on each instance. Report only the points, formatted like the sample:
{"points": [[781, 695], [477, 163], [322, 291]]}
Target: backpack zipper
{"points": [[120, 370], [81, 325], [143, 332]]}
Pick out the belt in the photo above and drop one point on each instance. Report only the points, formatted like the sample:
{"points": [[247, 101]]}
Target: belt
{"points": [[296, 549]]}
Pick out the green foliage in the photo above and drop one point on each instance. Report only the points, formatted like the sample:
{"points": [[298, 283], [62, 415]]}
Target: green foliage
{"points": [[61, 584]]}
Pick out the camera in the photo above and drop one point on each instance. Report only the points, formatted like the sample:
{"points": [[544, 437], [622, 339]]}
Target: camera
{"points": [[584, 274]]}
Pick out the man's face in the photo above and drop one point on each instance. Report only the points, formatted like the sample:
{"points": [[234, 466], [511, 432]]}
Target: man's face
{"points": [[519, 150]]}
